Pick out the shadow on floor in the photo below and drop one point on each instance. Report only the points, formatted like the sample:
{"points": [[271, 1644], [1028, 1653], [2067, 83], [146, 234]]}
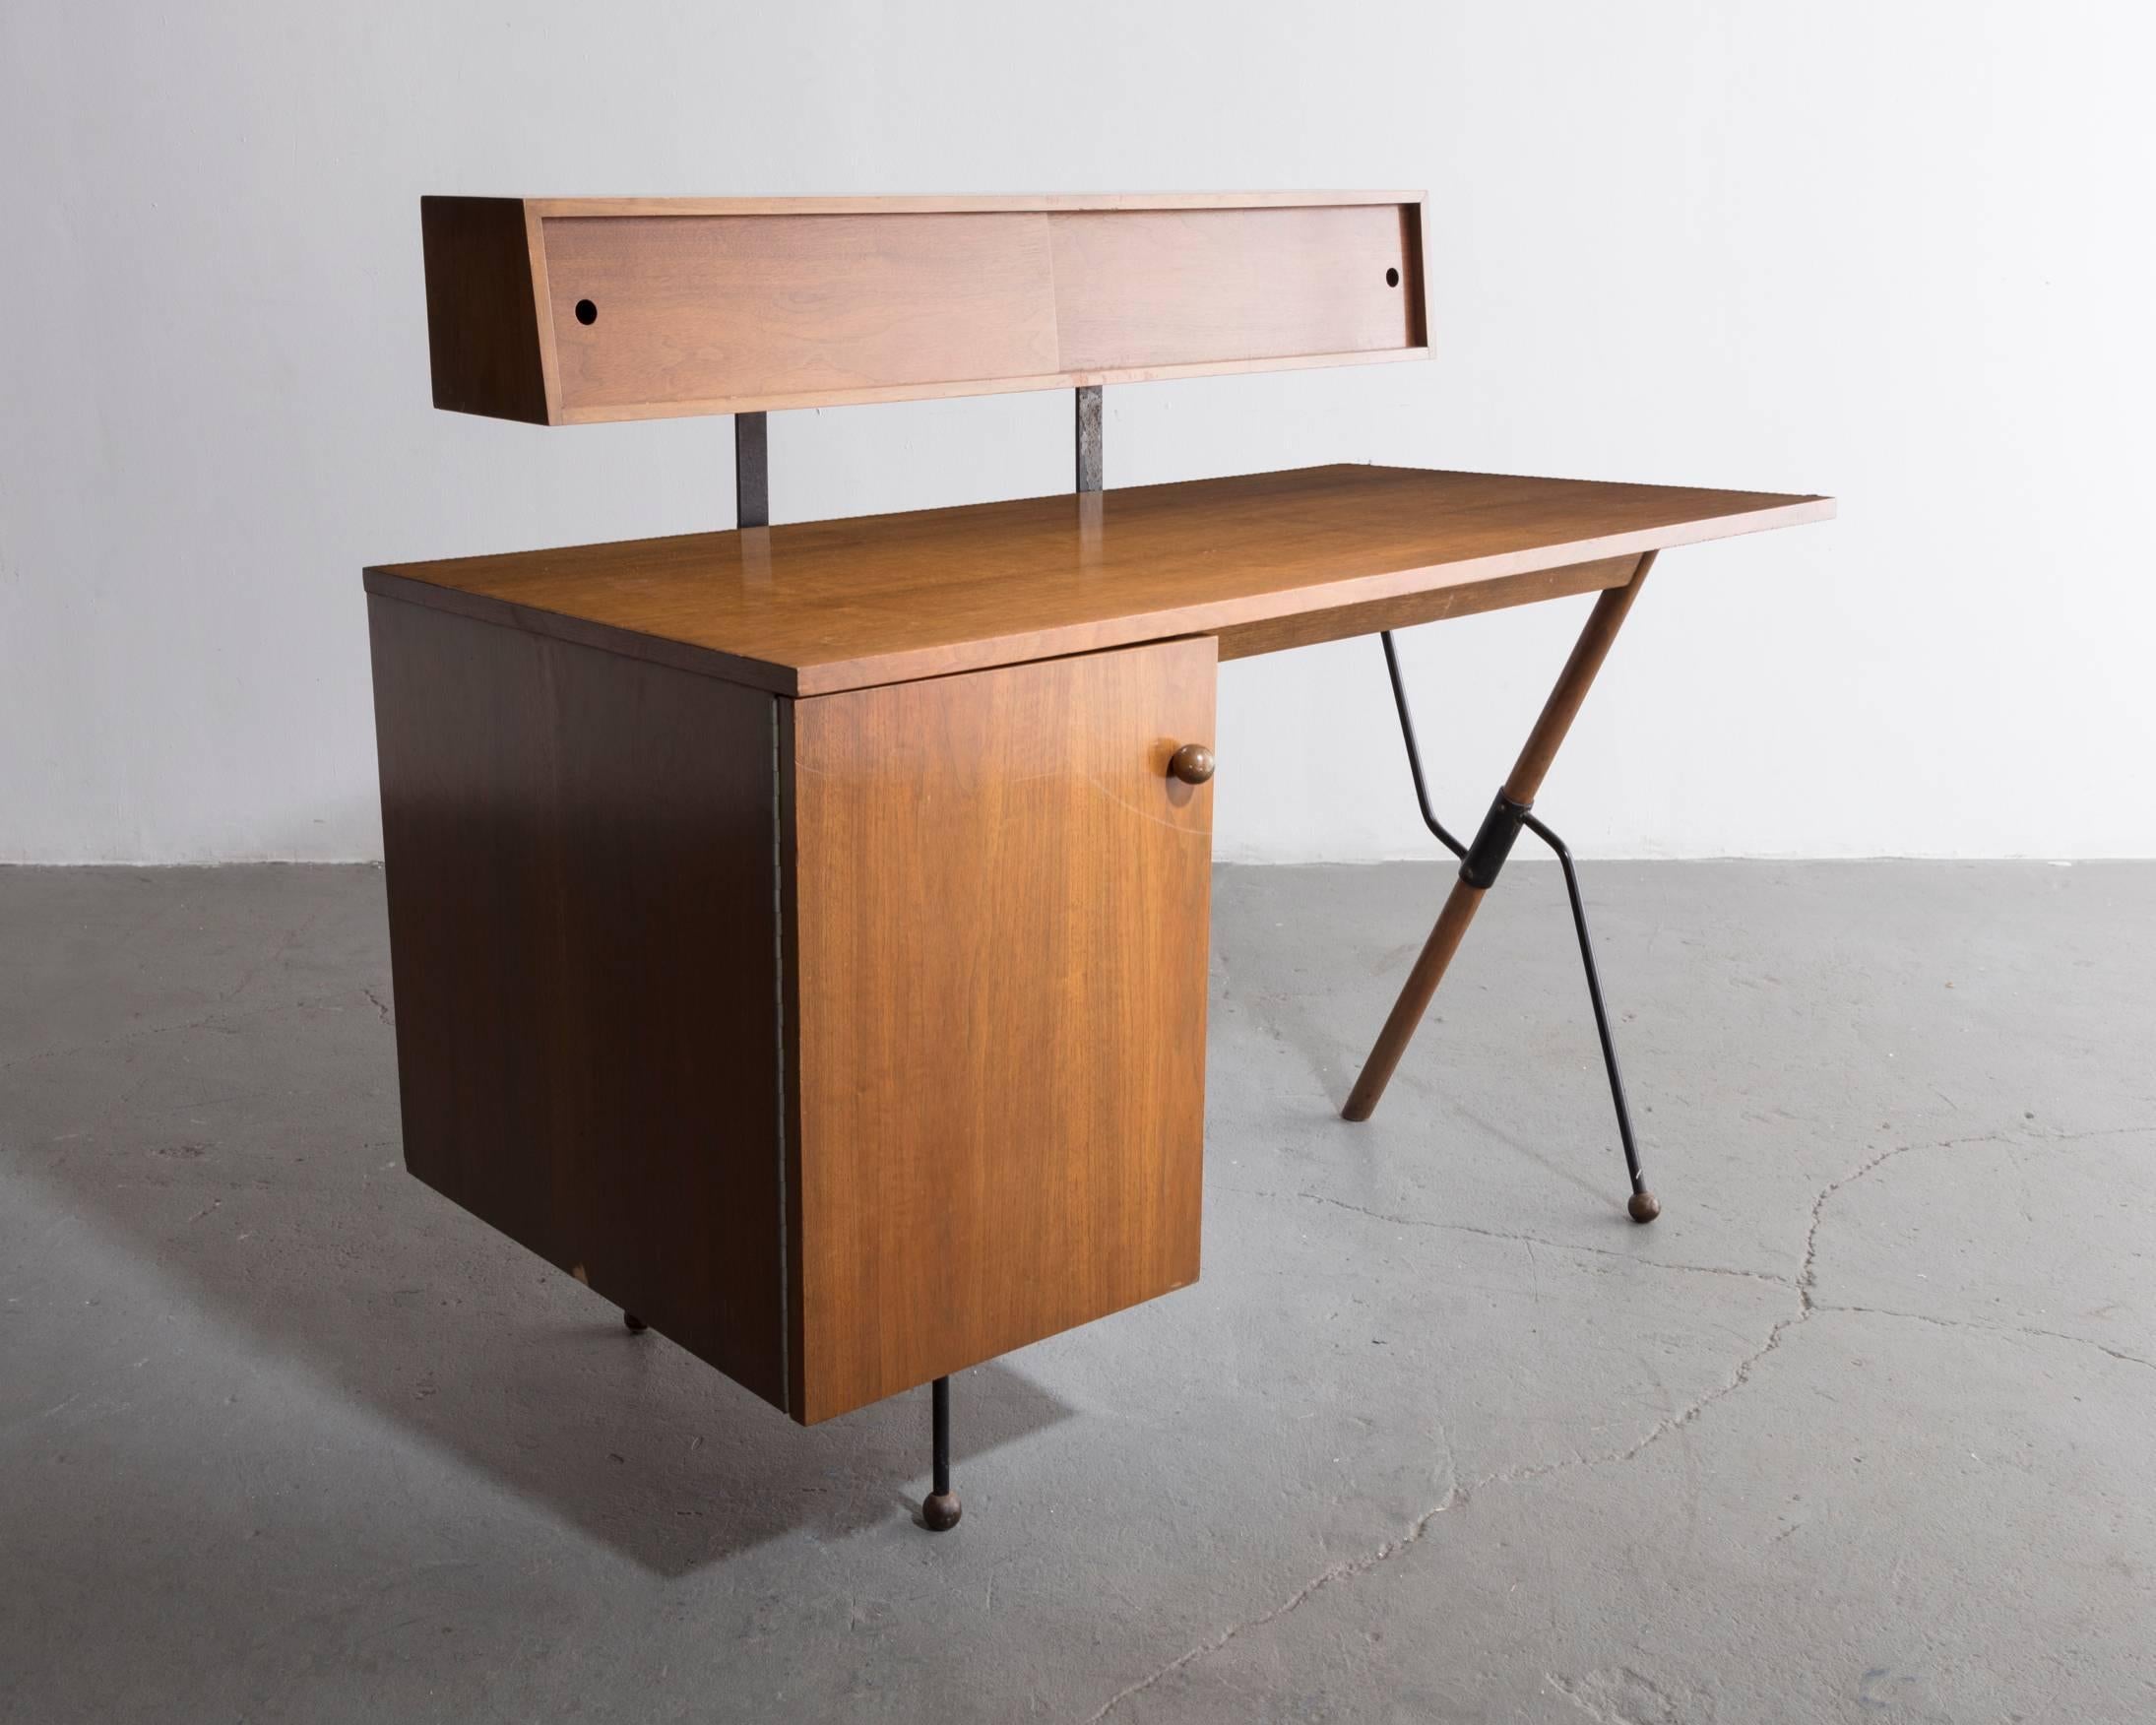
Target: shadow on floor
{"points": [[320, 1252]]}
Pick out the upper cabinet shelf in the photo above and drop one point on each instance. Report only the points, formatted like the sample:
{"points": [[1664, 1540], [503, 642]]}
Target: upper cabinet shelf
{"points": [[563, 311]]}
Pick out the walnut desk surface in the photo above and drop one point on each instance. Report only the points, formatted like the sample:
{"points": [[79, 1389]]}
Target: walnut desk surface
{"points": [[1260, 561]]}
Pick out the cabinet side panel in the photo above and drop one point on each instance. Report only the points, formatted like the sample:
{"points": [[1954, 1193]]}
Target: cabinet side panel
{"points": [[481, 309], [1001, 968], [581, 872]]}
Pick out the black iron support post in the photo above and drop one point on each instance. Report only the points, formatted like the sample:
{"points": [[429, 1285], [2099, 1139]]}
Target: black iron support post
{"points": [[940, 1512], [1089, 438], [751, 472]]}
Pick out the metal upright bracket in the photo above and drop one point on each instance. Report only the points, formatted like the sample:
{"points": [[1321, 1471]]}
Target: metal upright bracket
{"points": [[1089, 438], [751, 472]]}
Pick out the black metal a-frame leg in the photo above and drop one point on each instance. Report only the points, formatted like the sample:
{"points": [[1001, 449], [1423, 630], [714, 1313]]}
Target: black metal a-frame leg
{"points": [[1643, 1206]]}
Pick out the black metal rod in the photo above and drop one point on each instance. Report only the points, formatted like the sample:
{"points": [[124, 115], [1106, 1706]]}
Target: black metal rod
{"points": [[751, 472], [940, 1509], [1594, 994], [939, 1400], [1414, 754], [1089, 439]]}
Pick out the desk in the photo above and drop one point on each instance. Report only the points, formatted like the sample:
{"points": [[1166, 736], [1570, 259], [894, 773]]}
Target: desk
{"points": [[799, 934]]}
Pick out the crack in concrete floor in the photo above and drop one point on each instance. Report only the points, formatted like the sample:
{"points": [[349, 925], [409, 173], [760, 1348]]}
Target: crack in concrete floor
{"points": [[1458, 1496], [1528, 1240]]}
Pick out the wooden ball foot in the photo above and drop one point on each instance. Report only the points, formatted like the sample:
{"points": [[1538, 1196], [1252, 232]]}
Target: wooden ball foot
{"points": [[940, 1510], [1644, 1207], [635, 1325]]}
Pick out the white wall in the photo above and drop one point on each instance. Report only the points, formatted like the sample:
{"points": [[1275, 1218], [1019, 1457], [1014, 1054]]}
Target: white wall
{"points": [[1899, 252]]}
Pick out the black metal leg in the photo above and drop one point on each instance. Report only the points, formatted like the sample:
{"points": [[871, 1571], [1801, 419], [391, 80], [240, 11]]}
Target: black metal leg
{"points": [[1414, 754], [940, 1512], [1481, 861], [1643, 1205]]}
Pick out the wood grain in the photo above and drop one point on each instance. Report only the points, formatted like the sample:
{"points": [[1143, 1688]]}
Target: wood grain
{"points": [[813, 607], [581, 869], [861, 394], [484, 348], [1135, 289], [1415, 220], [661, 307], [780, 307], [1554, 720], [1001, 972], [1429, 606], [1454, 917]]}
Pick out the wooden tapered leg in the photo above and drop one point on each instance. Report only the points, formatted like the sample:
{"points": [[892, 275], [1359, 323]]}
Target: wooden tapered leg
{"points": [[1520, 786], [1407, 1011]]}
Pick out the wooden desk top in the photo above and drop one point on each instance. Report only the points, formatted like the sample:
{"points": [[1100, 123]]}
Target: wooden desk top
{"points": [[1261, 560]]}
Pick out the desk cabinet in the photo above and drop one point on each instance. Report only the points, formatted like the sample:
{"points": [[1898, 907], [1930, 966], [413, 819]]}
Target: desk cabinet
{"points": [[849, 1040]]}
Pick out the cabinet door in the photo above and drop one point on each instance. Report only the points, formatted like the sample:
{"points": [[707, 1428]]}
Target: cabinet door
{"points": [[997, 1022]]}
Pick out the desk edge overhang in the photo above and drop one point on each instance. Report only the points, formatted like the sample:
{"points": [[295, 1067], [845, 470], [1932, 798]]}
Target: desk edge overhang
{"points": [[1128, 629]]}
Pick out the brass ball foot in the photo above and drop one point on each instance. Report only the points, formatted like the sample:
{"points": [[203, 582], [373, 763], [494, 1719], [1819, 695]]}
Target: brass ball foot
{"points": [[940, 1510], [635, 1325], [1644, 1207]]}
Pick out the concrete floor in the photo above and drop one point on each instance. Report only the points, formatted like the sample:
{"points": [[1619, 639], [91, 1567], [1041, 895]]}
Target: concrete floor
{"points": [[1862, 1429]]}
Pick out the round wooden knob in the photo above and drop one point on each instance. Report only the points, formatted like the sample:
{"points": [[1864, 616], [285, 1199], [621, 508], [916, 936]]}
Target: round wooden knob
{"points": [[1192, 763]]}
